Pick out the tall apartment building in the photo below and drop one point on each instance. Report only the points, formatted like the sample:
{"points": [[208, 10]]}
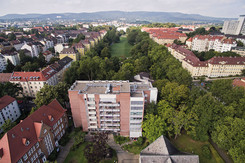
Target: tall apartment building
{"points": [[9, 109], [34, 138], [235, 27], [116, 106]]}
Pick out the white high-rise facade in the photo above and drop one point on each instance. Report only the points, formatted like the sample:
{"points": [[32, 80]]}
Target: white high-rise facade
{"points": [[235, 27]]}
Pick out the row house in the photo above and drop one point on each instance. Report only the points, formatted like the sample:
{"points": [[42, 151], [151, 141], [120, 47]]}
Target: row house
{"points": [[239, 50], [60, 67], [9, 110], [69, 52], [202, 43], [214, 67], [36, 137], [47, 44], [59, 47], [17, 44], [80, 48], [115, 106]]}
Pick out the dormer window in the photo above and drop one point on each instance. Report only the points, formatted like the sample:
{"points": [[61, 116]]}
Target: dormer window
{"points": [[25, 141], [51, 118]]}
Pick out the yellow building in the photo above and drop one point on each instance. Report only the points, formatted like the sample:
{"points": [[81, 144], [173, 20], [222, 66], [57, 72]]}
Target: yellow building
{"points": [[69, 52], [80, 48], [86, 43]]}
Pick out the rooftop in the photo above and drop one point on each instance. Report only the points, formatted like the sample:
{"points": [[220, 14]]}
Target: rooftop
{"points": [[112, 87], [5, 101]]}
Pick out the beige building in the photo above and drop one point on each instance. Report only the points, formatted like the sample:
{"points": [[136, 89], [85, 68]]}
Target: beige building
{"points": [[215, 67]]}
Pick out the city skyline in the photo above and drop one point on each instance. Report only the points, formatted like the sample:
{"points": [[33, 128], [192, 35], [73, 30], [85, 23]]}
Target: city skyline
{"points": [[218, 8]]}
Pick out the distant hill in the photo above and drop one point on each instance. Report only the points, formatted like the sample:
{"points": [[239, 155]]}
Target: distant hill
{"points": [[175, 17]]}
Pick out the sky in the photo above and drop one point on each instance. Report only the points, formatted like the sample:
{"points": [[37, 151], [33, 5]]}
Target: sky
{"points": [[214, 8]]}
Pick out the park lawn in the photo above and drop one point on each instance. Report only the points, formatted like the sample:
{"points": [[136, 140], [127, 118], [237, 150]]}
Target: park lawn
{"points": [[185, 144], [122, 48], [136, 149]]}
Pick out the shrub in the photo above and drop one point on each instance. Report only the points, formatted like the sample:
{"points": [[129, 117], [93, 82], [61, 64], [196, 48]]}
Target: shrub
{"points": [[53, 156], [121, 139], [206, 151], [64, 140]]}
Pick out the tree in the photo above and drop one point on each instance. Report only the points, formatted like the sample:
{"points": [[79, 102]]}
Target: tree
{"points": [[8, 125], [176, 119], [49, 93], [208, 110], [175, 94], [10, 89], [239, 43], [243, 72], [153, 127], [11, 37], [105, 52], [10, 67], [229, 134], [79, 38], [30, 66], [97, 149]]}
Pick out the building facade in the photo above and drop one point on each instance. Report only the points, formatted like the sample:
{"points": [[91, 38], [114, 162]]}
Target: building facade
{"points": [[34, 138], [234, 27], [69, 52], [9, 109], [214, 67], [115, 106]]}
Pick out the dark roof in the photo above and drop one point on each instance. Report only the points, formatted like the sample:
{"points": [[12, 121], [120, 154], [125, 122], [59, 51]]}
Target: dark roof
{"points": [[162, 150], [64, 61], [5, 101]]}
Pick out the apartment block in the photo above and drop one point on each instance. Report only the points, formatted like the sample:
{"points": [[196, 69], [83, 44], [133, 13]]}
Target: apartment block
{"points": [[9, 109], [235, 27], [34, 138], [115, 106]]}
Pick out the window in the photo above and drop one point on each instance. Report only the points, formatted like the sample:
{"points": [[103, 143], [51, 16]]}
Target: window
{"points": [[44, 131], [39, 151], [29, 153], [25, 157], [37, 145]]}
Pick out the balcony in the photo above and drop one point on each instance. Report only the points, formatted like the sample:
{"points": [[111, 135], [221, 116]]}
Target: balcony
{"points": [[103, 114], [92, 112], [110, 124], [109, 104], [90, 102], [91, 107], [110, 119]]}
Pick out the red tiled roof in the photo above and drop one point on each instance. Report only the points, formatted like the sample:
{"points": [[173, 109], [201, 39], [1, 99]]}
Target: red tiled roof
{"points": [[239, 82], [28, 129], [227, 60], [5, 77], [5, 101]]}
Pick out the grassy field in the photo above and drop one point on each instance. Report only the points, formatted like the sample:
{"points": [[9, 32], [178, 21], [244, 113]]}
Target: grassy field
{"points": [[77, 156], [122, 48], [185, 144], [135, 149]]}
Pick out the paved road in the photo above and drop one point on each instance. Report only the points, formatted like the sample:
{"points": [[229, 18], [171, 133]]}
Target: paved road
{"points": [[64, 151], [123, 156]]}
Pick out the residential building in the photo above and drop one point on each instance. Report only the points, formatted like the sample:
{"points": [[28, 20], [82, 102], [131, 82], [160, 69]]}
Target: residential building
{"points": [[69, 52], [34, 138], [214, 67], [59, 47], [86, 43], [165, 35], [116, 106], [32, 82], [162, 150], [239, 50], [202, 43], [12, 56], [234, 27], [9, 109], [60, 66], [5, 77], [17, 44], [80, 48], [239, 82], [48, 55], [3, 63], [32, 48]]}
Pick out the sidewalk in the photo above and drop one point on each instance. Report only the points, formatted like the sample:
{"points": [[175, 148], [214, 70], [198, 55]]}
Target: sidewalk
{"points": [[64, 151], [122, 156]]}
